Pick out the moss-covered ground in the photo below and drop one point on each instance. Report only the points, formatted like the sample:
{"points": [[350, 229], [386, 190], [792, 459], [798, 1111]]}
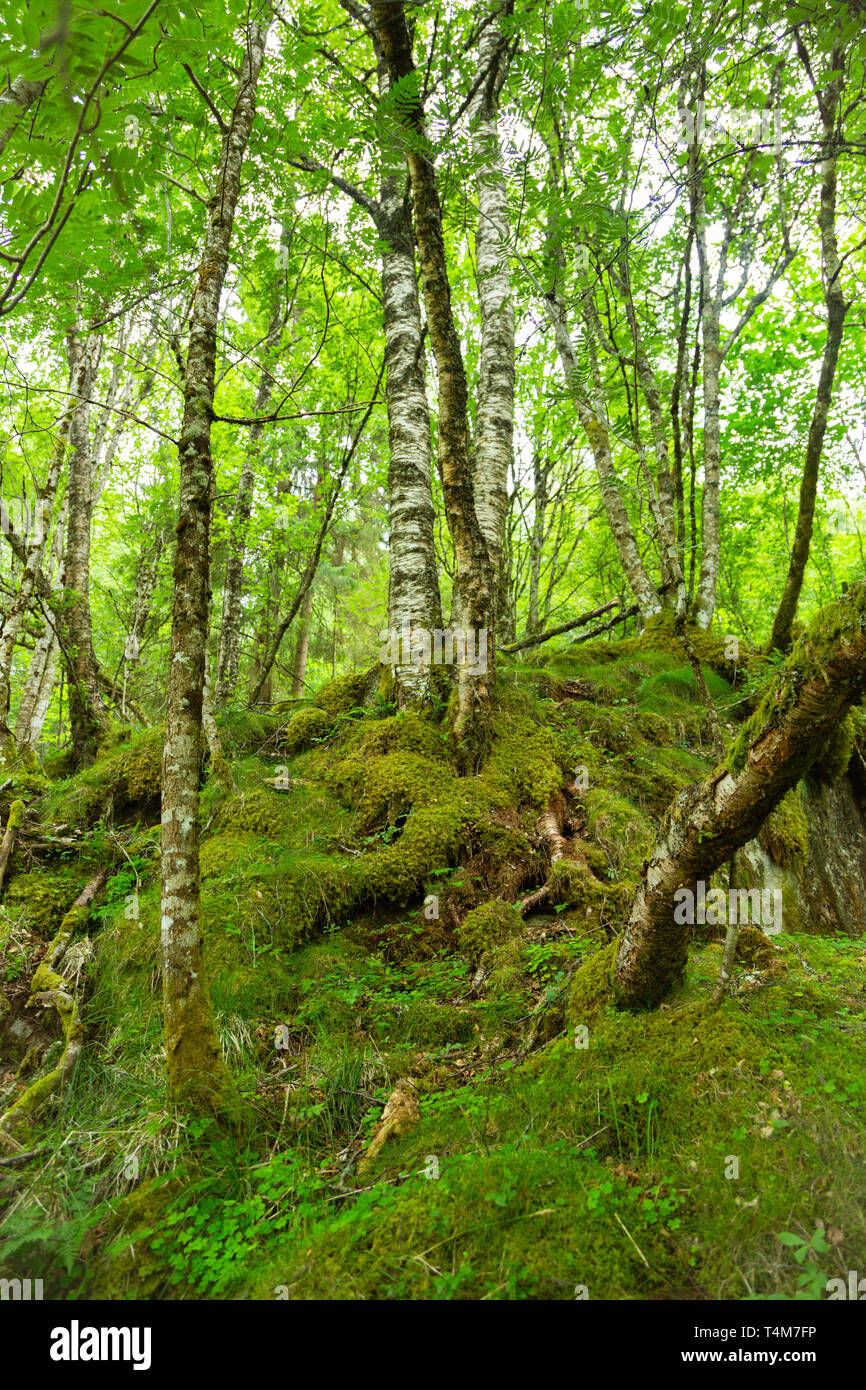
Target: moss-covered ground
{"points": [[360, 905]]}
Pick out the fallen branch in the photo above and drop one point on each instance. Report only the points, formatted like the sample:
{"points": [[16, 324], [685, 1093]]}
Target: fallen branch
{"points": [[606, 627], [566, 627], [16, 814]]}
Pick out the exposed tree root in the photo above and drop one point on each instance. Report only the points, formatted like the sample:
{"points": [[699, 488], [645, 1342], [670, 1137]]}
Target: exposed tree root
{"points": [[550, 827], [56, 984]]}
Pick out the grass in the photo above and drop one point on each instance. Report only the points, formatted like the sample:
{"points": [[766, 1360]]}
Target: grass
{"points": [[665, 1158]]}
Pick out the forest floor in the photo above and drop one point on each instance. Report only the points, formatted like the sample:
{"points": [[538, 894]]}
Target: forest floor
{"points": [[371, 953]]}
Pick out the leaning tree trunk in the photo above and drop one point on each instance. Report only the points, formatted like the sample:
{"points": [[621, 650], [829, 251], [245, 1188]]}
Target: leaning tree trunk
{"points": [[837, 308], [195, 1068], [302, 647], [86, 710], [824, 675], [475, 587]]}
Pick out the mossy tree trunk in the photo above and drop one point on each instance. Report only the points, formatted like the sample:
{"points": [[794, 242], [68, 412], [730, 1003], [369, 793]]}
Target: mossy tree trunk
{"points": [[824, 675], [837, 308], [86, 709], [474, 605], [195, 1069]]}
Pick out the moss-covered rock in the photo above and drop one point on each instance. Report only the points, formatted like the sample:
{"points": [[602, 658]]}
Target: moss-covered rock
{"points": [[624, 833], [305, 728], [487, 927], [833, 762], [592, 988], [346, 693], [124, 784], [43, 898], [785, 832]]}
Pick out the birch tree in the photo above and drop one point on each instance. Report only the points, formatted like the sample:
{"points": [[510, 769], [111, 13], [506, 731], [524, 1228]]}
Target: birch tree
{"points": [[194, 1061]]}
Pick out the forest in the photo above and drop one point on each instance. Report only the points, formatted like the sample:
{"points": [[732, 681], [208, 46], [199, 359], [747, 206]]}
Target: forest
{"points": [[433, 650]]}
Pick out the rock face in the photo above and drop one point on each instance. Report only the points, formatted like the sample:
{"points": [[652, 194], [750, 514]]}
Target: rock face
{"points": [[827, 892]]}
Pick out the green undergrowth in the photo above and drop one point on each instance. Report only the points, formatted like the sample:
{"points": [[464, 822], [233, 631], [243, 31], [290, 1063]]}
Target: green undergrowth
{"points": [[361, 916]]}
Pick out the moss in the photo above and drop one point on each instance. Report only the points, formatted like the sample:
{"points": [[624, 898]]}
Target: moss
{"points": [[508, 967], [522, 765], [661, 690], [621, 830], [128, 1266], [426, 1024], [488, 926], [592, 988], [43, 897], [344, 694], [833, 762], [123, 783], [593, 900], [261, 811], [603, 727], [655, 728], [409, 732], [23, 787], [754, 948], [785, 832], [660, 634], [58, 766], [305, 728]]}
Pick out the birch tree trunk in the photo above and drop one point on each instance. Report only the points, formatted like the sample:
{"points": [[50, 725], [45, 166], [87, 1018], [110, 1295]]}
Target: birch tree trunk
{"points": [[86, 710], [42, 671], [195, 1069], [475, 586], [413, 581], [494, 424], [34, 542], [824, 675]]}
